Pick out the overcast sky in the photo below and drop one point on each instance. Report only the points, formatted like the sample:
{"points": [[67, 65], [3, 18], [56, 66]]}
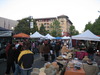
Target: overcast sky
{"points": [[80, 12]]}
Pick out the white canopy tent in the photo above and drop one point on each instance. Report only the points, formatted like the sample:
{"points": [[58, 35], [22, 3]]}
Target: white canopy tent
{"points": [[87, 35], [48, 36], [36, 35], [65, 37]]}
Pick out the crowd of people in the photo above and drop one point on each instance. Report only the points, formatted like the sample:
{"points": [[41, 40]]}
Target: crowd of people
{"points": [[20, 54]]}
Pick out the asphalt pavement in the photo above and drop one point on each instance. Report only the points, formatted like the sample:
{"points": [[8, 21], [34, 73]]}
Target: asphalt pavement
{"points": [[2, 66]]}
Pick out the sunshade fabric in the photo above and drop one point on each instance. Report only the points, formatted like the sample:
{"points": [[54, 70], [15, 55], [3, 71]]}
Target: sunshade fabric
{"points": [[87, 35], [21, 35]]}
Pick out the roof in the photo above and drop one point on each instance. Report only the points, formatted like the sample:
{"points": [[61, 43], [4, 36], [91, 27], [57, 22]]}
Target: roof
{"points": [[70, 21], [63, 16], [46, 18]]}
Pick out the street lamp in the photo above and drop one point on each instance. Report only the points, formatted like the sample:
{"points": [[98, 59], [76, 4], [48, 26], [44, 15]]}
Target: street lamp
{"points": [[31, 22], [31, 25], [70, 42], [12, 28]]}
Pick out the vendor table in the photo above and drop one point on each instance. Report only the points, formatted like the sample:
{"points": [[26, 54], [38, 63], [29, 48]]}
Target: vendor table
{"points": [[72, 71]]}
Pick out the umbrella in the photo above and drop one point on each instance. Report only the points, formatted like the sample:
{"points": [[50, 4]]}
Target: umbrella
{"points": [[21, 35]]}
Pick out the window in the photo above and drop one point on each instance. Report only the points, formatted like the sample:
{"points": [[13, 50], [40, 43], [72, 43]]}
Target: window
{"points": [[62, 22], [47, 26], [44, 23]]}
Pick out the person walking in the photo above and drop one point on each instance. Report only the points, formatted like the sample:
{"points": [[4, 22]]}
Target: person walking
{"points": [[91, 52], [17, 52], [46, 51], [41, 45], [57, 48], [25, 60], [10, 59]]}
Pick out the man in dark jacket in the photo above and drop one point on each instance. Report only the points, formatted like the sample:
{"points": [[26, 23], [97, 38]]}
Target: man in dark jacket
{"points": [[25, 60], [91, 52], [10, 59], [46, 51], [57, 48]]}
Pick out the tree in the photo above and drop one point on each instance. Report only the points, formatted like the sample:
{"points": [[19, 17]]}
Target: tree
{"points": [[43, 30], [73, 31], [56, 28], [88, 26], [24, 26], [96, 26]]}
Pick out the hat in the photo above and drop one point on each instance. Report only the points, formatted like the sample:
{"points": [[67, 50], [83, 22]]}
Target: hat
{"points": [[59, 58], [50, 71], [42, 69], [42, 73], [47, 65], [85, 59], [55, 64], [89, 62], [71, 64], [35, 71]]}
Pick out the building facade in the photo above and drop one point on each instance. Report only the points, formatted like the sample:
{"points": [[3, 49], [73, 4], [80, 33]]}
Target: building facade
{"points": [[7, 23], [65, 23]]}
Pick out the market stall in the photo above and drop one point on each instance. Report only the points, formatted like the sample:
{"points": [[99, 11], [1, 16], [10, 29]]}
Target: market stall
{"points": [[37, 35]]}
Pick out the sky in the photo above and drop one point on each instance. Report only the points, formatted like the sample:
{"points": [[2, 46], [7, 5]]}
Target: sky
{"points": [[80, 12]]}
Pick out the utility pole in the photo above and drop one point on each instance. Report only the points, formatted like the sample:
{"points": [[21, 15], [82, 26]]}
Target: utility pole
{"points": [[4, 24], [31, 25]]}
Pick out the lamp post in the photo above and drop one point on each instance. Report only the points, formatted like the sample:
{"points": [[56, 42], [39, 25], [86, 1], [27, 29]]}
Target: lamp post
{"points": [[31, 22], [70, 41], [31, 25]]}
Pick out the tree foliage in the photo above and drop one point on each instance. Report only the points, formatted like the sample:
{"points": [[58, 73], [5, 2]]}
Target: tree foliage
{"points": [[88, 26], [24, 26], [95, 27], [56, 28], [42, 30], [73, 31]]}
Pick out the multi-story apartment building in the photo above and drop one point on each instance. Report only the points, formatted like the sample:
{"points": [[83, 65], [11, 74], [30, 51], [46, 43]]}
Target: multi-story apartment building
{"points": [[7, 23], [46, 22], [65, 23]]}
